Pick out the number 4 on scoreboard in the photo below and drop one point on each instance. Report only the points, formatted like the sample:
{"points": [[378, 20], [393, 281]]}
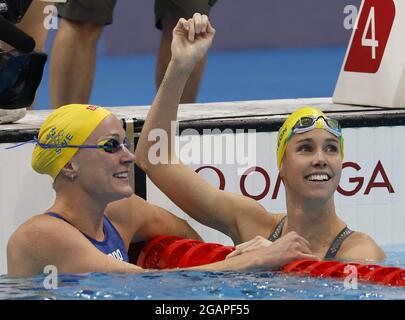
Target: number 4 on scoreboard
{"points": [[372, 42], [371, 36]]}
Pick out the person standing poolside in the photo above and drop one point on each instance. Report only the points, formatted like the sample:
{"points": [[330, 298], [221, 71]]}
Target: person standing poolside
{"points": [[310, 153], [75, 45], [95, 215]]}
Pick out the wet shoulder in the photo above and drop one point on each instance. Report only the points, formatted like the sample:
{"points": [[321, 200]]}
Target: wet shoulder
{"points": [[360, 246], [41, 226], [34, 241]]}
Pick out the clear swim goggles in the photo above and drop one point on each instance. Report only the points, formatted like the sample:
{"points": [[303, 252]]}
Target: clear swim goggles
{"points": [[309, 123]]}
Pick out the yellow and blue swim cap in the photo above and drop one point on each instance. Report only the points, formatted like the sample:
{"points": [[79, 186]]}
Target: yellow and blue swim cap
{"points": [[70, 124], [303, 120]]}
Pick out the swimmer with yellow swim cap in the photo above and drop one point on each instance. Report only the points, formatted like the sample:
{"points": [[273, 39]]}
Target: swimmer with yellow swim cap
{"points": [[309, 157], [95, 214], [65, 128], [304, 120]]}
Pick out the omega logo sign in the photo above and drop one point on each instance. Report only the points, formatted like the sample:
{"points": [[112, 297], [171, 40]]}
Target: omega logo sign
{"points": [[355, 182]]}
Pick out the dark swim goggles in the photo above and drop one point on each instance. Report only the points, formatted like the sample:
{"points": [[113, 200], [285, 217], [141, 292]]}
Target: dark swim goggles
{"points": [[308, 123], [109, 145]]}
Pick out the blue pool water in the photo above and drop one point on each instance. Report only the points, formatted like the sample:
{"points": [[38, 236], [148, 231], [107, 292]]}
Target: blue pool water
{"points": [[200, 285]]}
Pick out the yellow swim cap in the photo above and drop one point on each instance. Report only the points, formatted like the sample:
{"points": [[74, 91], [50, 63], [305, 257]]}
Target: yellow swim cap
{"points": [[321, 121], [71, 124]]}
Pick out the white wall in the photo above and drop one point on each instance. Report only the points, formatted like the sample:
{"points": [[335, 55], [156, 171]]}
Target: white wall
{"points": [[23, 193]]}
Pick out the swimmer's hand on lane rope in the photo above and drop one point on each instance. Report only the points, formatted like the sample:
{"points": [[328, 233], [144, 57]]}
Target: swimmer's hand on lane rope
{"points": [[290, 247], [254, 244], [191, 40]]}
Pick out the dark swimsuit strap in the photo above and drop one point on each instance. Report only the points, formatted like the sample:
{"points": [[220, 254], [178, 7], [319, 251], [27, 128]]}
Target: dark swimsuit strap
{"points": [[278, 230], [55, 215], [333, 249], [335, 246]]}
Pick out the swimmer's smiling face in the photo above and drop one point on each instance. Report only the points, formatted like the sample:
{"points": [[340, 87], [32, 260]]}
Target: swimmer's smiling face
{"points": [[104, 174], [312, 165]]}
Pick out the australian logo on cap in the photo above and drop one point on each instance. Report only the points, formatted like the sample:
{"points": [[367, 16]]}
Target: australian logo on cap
{"points": [[58, 138], [282, 133]]}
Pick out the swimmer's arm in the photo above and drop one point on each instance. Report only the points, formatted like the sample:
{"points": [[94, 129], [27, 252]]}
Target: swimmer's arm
{"points": [[284, 250], [158, 123], [237, 216], [140, 220], [360, 247], [52, 243], [191, 41]]}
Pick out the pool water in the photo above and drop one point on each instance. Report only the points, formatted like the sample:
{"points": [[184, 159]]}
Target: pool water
{"points": [[186, 285]]}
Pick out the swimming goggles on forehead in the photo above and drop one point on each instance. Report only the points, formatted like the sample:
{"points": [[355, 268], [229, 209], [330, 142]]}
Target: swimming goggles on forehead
{"points": [[308, 123], [111, 145]]}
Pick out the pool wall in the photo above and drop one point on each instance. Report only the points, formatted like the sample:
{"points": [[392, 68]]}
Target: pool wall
{"points": [[370, 196]]}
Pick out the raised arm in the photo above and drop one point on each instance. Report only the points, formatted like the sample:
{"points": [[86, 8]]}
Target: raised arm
{"points": [[239, 217]]}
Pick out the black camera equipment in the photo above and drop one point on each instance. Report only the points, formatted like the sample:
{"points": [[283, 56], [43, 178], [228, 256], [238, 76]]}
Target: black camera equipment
{"points": [[21, 69]]}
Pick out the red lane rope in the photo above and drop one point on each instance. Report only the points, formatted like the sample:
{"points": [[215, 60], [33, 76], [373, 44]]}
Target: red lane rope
{"points": [[167, 252]]}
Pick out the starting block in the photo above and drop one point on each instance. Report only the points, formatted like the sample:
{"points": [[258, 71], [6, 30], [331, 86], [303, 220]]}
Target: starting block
{"points": [[373, 71]]}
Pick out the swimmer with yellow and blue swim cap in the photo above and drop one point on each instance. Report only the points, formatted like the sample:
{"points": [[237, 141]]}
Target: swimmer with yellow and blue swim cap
{"points": [[303, 120], [95, 214], [309, 156], [66, 127]]}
